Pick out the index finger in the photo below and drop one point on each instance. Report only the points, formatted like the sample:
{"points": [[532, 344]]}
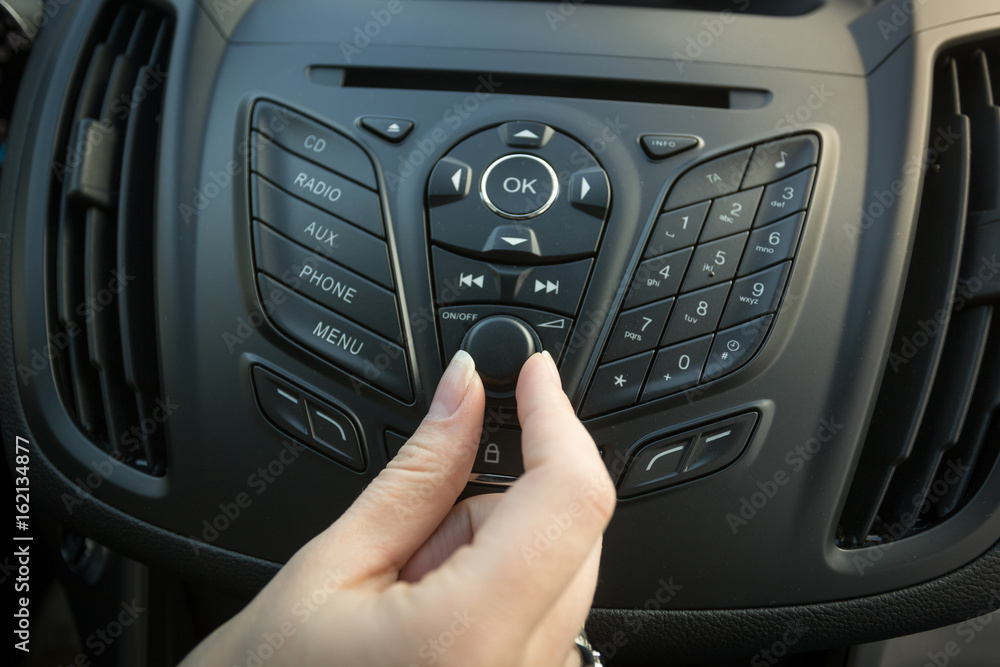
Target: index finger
{"points": [[541, 532]]}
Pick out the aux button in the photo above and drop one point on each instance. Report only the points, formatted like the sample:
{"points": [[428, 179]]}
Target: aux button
{"points": [[519, 186]]}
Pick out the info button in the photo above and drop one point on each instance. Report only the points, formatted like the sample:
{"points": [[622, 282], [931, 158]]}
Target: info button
{"points": [[519, 186]]}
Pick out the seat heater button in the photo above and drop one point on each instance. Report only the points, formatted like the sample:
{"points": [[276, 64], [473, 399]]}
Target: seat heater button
{"points": [[519, 186]]}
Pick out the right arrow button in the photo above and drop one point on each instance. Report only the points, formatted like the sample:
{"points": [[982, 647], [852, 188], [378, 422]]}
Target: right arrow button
{"points": [[589, 191]]}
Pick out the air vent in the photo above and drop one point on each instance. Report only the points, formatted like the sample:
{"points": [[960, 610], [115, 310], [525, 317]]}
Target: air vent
{"points": [[100, 249], [933, 437]]}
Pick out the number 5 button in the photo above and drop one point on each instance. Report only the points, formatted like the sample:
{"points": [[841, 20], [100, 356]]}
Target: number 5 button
{"points": [[755, 295]]}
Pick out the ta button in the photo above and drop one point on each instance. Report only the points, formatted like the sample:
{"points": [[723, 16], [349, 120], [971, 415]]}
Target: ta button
{"points": [[519, 186]]}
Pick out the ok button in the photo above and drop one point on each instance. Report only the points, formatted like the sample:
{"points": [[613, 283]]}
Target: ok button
{"points": [[519, 186]]}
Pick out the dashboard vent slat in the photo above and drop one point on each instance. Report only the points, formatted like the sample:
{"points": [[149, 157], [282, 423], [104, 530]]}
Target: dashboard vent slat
{"points": [[101, 262], [932, 435]]}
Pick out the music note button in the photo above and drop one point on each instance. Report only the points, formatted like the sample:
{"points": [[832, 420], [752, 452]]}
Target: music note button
{"points": [[777, 159]]}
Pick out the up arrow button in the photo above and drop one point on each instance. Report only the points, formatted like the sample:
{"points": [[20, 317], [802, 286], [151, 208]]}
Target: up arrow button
{"points": [[589, 191], [525, 134]]}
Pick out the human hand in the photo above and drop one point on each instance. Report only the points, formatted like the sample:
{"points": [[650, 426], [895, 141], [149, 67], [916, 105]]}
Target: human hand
{"points": [[406, 577]]}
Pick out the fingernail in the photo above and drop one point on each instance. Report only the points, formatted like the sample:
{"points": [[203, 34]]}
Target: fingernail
{"points": [[453, 386], [551, 363]]}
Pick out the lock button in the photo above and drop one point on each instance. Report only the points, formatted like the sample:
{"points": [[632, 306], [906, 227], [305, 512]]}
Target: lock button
{"points": [[499, 453]]}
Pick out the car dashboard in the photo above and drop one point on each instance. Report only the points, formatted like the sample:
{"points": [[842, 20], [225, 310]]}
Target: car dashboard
{"points": [[243, 240]]}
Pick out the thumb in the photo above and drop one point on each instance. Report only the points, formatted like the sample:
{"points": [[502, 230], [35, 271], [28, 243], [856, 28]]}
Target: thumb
{"points": [[404, 505]]}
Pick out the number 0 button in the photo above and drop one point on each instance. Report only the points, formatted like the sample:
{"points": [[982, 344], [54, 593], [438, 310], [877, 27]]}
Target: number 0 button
{"points": [[677, 368]]}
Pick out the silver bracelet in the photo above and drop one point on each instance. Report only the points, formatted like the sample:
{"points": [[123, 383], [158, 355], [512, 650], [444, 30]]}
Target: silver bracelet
{"points": [[588, 656]]}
